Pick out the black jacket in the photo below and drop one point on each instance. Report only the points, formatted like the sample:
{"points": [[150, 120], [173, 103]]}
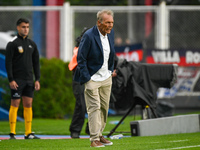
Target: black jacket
{"points": [[22, 58], [138, 82]]}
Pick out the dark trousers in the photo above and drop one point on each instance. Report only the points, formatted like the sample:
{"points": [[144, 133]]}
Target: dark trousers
{"points": [[80, 109]]}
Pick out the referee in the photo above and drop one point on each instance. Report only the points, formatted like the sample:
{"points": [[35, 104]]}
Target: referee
{"points": [[22, 58]]}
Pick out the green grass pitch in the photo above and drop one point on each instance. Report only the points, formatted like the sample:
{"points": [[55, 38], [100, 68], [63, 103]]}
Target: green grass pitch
{"points": [[61, 127]]}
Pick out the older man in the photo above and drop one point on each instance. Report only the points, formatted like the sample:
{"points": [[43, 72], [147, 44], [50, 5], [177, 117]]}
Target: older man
{"points": [[95, 67]]}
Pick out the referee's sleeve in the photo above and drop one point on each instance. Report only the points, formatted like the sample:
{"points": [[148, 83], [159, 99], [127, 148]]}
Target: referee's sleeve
{"points": [[9, 56]]}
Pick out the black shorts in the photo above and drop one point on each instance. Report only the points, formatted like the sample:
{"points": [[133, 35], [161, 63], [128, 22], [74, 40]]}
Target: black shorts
{"points": [[25, 88]]}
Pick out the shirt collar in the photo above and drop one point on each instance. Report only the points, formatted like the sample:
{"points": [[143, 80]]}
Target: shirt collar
{"points": [[21, 36], [101, 35]]}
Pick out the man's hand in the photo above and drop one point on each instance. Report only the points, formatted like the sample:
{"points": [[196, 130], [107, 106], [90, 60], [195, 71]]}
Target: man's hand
{"points": [[114, 74], [13, 85], [37, 85]]}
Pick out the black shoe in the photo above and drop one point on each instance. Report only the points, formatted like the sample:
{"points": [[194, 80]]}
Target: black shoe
{"points": [[12, 136], [31, 136], [74, 135]]}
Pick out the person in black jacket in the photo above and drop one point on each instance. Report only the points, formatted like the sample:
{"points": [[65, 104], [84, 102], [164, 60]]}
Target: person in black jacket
{"points": [[78, 90], [22, 58]]}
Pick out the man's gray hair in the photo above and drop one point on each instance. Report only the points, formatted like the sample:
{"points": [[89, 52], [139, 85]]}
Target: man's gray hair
{"points": [[104, 11]]}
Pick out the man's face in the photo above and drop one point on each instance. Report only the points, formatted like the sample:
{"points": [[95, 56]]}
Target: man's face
{"points": [[23, 29], [106, 25]]}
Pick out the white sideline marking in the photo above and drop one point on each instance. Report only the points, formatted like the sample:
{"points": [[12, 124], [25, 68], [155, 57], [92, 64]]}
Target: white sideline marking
{"points": [[179, 147], [179, 141], [174, 141]]}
